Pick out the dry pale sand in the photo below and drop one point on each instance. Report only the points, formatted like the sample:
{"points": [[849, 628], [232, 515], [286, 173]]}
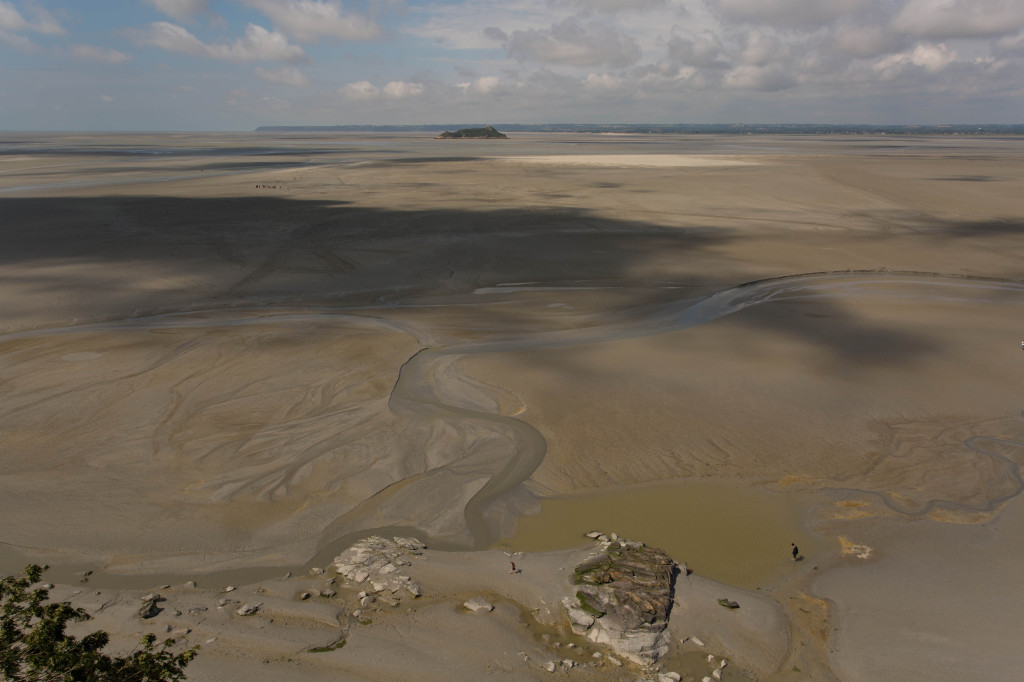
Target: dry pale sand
{"points": [[225, 357], [635, 160]]}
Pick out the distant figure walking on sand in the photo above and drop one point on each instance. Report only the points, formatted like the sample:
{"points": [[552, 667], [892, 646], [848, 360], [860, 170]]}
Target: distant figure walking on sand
{"points": [[513, 569], [1022, 345], [796, 552]]}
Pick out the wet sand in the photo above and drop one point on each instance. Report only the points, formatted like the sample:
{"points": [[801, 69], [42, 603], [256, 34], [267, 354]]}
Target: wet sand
{"points": [[225, 357], [728, 532]]}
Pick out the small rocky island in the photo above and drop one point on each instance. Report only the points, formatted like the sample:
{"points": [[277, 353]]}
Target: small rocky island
{"points": [[623, 598], [487, 133]]}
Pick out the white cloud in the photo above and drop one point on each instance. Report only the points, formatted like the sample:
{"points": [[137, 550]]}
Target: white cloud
{"points": [[764, 78], [16, 41], [704, 50], [575, 42], [365, 90], [1012, 44], [484, 85], [169, 37], [612, 5], [310, 20], [866, 41], [288, 75], [402, 89], [362, 90], [949, 19], [259, 44], [12, 20], [804, 13], [95, 53], [602, 82], [275, 103], [464, 25], [243, 98], [931, 58], [760, 49], [180, 9]]}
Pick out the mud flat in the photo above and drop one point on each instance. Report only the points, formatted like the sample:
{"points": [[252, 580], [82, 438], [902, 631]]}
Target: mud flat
{"points": [[227, 357]]}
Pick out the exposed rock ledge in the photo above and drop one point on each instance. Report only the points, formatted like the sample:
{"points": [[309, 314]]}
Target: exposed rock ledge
{"points": [[623, 598], [377, 562]]}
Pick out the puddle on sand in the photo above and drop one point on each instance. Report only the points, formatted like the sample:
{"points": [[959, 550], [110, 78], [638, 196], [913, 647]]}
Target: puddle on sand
{"points": [[726, 531]]}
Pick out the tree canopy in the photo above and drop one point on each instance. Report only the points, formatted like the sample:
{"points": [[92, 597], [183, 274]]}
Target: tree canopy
{"points": [[34, 646]]}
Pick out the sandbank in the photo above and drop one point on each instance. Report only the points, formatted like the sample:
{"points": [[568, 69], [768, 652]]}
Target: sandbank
{"points": [[222, 365], [635, 160]]}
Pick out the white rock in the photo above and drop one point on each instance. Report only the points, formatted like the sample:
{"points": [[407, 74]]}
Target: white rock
{"points": [[229, 588], [594, 534], [388, 568], [716, 673], [316, 570], [413, 588], [328, 592], [367, 600], [479, 604], [614, 661], [669, 677], [409, 543], [696, 640], [722, 663], [359, 575], [303, 596], [568, 662], [711, 658], [247, 610], [550, 666]]}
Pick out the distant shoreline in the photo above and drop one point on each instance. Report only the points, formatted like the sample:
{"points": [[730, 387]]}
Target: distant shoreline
{"points": [[677, 128]]}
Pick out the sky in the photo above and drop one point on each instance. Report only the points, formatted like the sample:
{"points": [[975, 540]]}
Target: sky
{"points": [[223, 65]]}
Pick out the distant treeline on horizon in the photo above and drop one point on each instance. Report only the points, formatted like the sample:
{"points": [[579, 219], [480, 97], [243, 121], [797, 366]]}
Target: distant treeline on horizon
{"points": [[685, 128]]}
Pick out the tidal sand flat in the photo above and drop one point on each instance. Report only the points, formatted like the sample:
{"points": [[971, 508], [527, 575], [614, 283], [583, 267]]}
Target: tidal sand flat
{"points": [[226, 358]]}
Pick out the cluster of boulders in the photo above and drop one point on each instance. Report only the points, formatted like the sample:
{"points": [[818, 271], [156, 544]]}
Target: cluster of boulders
{"points": [[623, 595], [376, 563]]}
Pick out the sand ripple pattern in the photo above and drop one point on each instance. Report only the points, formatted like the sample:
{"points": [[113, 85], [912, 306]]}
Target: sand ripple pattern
{"points": [[290, 431]]}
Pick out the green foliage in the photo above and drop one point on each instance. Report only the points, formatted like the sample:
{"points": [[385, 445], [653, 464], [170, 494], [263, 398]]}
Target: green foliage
{"points": [[487, 132], [34, 646], [593, 571], [587, 606]]}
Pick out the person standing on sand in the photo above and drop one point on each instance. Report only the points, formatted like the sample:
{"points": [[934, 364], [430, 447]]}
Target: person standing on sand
{"points": [[796, 551]]}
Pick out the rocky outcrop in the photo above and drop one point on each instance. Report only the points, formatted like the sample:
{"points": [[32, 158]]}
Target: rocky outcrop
{"points": [[623, 595], [478, 605], [149, 606], [487, 132], [376, 563]]}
